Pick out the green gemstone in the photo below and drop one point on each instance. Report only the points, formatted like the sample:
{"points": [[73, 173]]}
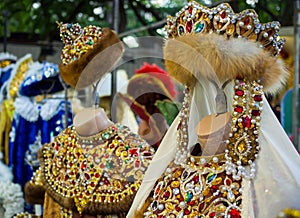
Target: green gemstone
{"points": [[105, 135], [198, 27], [188, 197]]}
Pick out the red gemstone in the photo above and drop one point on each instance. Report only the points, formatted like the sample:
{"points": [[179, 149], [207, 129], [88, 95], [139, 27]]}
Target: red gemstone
{"points": [[133, 189], [189, 26], [137, 163], [214, 187], [223, 14], [147, 153], [102, 198], [66, 177], [87, 176], [192, 203], [106, 182], [234, 213], [228, 182], [57, 147], [177, 208], [201, 206], [239, 92], [92, 184], [87, 193], [246, 122], [83, 165], [257, 98], [133, 151], [186, 211], [166, 195], [102, 166], [111, 199], [190, 9], [247, 21], [255, 112], [212, 214], [196, 179], [238, 109]]}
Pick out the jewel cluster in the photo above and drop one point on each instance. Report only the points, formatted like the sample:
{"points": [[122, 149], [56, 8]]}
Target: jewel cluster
{"points": [[77, 40], [242, 145], [195, 18]]}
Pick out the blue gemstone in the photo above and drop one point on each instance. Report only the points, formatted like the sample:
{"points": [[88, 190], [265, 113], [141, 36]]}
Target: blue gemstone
{"points": [[180, 30], [188, 197]]}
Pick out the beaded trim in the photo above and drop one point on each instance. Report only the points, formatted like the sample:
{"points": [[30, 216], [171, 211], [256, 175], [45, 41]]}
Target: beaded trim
{"points": [[242, 145], [98, 174]]}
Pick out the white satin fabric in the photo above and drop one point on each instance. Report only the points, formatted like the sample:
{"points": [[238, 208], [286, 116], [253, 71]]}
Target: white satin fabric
{"points": [[277, 182]]}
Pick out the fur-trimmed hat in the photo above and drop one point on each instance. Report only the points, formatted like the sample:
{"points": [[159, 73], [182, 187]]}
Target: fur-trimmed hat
{"points": [[88, 54], [203, 41]]}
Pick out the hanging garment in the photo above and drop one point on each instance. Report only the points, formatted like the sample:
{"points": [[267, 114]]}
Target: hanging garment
{"points": [[33, 125]]}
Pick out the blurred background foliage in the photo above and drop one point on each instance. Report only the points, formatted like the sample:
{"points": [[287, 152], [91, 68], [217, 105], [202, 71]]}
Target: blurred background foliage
{"points": [[36, 19]]}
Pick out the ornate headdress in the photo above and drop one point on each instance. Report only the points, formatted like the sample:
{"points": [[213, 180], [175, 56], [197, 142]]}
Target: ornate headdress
{"points": [[41, 78], [218, 45], [88, 54], [233, 50]]}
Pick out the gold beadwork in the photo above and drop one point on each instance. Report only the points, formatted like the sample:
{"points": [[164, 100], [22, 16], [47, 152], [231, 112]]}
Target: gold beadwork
{"points": [[217, 196], [88, 169]]}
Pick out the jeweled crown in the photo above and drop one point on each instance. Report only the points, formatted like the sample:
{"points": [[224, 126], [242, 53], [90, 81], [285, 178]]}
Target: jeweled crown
{"points": [[196, 18], [77, 40]]}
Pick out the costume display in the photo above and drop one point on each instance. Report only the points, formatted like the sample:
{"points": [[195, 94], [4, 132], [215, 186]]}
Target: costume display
{"points": [[94, 167], [227, 61], [9, 92], [151, 95], [35, 123]]}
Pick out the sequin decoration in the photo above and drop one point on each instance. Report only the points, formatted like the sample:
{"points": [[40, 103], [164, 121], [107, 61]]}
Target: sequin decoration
{"points": [[100, 172]]}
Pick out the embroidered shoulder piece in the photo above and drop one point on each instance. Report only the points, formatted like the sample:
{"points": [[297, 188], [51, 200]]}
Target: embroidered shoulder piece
{"points": [[202, 190], [98, 174]]}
